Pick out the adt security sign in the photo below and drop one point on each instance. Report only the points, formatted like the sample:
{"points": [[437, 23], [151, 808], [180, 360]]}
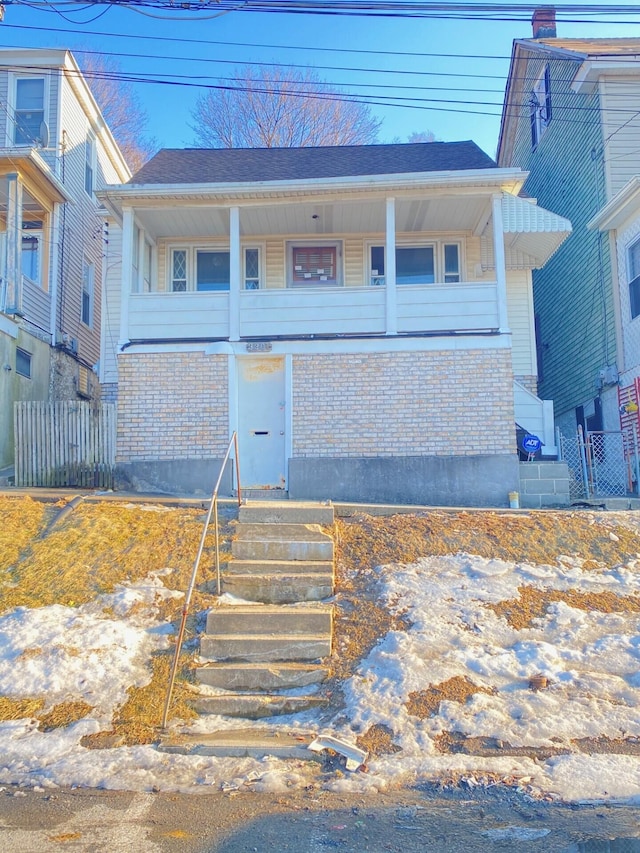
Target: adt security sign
{"points": [[531, 444]]}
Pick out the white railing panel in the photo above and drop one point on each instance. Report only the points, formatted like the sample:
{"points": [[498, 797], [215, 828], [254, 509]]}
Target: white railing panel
{"points": [[447, 307], [178, 315], [536, 416], [292, 311]]}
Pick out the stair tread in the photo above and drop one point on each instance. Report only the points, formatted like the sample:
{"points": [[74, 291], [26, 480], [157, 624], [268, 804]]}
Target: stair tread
{"points": [[250, 531], [296, 608], [250, 665], [262, 636]]}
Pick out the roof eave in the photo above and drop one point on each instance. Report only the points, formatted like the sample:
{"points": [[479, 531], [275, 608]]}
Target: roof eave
{"points": [[512, 178], [623, 205]]}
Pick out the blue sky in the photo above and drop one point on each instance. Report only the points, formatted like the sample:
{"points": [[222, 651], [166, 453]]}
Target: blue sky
{"points": [[445, 60]]}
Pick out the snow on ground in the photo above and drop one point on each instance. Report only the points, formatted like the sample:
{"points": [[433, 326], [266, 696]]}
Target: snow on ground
{"points": [[95, 652]]}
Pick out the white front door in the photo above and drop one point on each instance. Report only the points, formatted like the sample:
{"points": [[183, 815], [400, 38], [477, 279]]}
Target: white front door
{"points": [[261, 421]]}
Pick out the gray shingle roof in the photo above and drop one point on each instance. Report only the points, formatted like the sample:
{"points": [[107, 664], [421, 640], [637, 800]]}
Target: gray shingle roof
{"points": [[226, 165]]}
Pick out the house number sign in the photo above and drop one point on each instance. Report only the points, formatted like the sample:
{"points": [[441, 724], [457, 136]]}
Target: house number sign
{"points": [[260, 346]]}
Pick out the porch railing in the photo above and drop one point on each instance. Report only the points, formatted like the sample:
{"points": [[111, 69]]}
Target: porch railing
{"points": [[431, 308], [213, 510]]}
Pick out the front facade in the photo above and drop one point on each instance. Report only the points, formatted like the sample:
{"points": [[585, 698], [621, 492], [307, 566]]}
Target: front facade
{"points": [[56, 153], [362, 316], [572, 120]]}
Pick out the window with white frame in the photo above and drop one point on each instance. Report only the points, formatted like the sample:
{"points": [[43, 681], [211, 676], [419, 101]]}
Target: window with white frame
{"points": [[633, 263], [209, 269], [88, 282], [31, 251], [314, 264], [417, 264], [540, 107], [23, 362], [89, 163], [29, 111]]}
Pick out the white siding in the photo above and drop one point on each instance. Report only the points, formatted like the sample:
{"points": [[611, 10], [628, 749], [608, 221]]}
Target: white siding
{"points": [[620, 98], [521, 322]]}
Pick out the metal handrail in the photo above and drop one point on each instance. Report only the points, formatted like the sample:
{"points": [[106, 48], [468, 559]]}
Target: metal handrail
{"points": [[213, 509]]}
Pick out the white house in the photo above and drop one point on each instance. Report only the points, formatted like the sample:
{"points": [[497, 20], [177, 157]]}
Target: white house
{"points": [[362, 316], [56, 153]]}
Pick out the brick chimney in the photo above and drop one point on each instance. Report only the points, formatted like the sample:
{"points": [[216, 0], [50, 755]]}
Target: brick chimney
{"points": [[544, 22]]}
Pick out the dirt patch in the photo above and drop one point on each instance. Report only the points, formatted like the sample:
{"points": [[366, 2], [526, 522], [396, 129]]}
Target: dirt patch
{"points": [[378, 740], [426, 703], [533, 604]]}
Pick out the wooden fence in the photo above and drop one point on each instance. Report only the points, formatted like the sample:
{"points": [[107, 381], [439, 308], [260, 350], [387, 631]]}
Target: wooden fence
{"points": [[65, 443]]}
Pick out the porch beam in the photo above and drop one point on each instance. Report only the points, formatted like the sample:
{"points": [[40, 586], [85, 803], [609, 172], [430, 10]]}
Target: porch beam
{"points": [[234, 274], [128, 224], [391, 305], [13, 268], [500, 263]]}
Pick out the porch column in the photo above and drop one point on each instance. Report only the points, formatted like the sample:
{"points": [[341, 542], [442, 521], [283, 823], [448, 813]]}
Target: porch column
{"points": [[13, 266], [234, 274], [127, 272], [500, 263], [391, 305]]}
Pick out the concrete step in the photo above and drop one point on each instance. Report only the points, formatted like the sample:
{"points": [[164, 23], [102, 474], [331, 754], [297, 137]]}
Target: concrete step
{"points": [[273, 567], [260, 676], [241, 743], [262, 648], [281, 542], [285, 512], [255, 706], [270, 619], [279, 589]]}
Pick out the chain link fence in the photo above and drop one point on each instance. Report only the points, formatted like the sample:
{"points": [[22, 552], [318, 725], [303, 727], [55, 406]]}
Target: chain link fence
{"points": [[601, 464]]}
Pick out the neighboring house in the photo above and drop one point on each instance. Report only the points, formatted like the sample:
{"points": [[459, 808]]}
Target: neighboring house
{"points": [[572, 119], [357, 314], [620, 218], [56, 153]]}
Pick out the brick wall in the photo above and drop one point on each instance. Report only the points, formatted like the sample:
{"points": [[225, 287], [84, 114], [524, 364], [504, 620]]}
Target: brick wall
{"points": [[402, 404], [172, 406]]}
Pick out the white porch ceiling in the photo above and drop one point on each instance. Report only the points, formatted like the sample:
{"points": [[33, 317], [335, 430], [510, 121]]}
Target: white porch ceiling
{"points": [[435, 213]]}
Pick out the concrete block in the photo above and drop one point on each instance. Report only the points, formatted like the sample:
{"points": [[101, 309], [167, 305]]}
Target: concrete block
{"points": [[260, 676], [255, 707], [263, 619], [539, 487], [427, 480], [283, 512], [280, 589], [259, 649]]}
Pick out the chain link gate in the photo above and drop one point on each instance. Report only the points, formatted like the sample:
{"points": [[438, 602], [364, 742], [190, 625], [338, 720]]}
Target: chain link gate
{"points": [[601, 464]]}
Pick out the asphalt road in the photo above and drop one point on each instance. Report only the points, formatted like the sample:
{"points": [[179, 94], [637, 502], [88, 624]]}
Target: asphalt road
{"points": [[242, 822]]}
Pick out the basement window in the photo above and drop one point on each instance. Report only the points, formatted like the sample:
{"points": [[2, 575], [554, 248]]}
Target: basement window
{"points": [[23, 363]]}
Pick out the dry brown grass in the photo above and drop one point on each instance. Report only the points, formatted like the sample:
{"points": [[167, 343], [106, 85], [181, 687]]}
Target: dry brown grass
{"points": [[426, 703], [533, 604], [63, 715], [19, 709], [21, 519], [100, 545]]}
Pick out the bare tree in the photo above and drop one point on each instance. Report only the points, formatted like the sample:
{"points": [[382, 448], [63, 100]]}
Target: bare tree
{"points": [[121, 108], [279, 107], [421, 136]]}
